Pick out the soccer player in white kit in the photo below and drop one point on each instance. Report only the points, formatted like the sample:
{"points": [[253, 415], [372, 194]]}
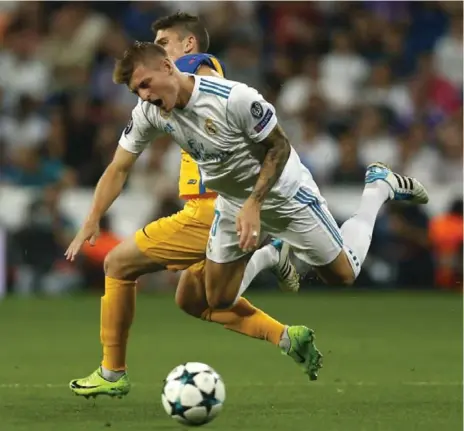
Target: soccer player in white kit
{"points": [[233, 134]]}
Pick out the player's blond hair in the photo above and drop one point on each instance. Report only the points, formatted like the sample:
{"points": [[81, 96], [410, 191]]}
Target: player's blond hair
{"points": [[138, 53]]}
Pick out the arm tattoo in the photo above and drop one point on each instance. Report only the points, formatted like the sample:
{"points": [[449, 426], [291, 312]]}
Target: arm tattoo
{"points": [[277, 154]]}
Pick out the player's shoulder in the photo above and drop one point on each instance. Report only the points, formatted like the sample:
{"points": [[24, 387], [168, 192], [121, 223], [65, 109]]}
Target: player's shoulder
{"points": [[224, 88], [190, 63]]}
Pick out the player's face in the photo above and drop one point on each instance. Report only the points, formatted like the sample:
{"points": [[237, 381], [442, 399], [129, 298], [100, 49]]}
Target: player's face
{"points": [[173, 43], [155, 83]]}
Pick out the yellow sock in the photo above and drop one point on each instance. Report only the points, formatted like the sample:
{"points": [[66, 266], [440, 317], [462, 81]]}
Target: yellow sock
{"points": [[117, 313], [248, 320]]}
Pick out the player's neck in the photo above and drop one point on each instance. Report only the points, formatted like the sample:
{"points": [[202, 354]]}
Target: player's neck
{"points": [[186, 85]]}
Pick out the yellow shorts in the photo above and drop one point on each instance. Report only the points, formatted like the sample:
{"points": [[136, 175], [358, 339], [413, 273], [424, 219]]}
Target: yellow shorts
{"points": [[179, 241]]}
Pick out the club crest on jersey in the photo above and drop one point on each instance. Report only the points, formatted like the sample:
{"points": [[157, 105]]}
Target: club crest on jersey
{"points": [[257, 110], [210, 128], [129, 126]]}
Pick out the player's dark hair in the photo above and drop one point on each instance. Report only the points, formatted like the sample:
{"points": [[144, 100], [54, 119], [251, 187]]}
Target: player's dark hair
{"points": [[138, 53], [186, 24]]}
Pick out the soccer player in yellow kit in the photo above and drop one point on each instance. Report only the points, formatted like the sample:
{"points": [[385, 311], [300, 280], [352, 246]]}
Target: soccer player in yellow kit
{"points": [[177, 242]]}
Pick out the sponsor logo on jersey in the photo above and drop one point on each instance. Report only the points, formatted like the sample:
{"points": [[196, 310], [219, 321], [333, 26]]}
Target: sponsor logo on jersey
{"points": [[210, 128], [192, 181], [257, 110], [168, 128], [264, 122], [129, 126], [200, 154]]}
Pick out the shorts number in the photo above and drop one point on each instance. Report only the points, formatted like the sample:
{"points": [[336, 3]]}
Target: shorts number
{"points": [[217, 215]]}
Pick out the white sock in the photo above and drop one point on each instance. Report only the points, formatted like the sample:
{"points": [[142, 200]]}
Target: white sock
{"points": [[284, 342], [110, 375], [357, 230], [265, 257]]}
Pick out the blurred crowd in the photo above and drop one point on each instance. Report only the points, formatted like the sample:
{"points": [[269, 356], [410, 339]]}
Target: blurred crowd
{"points": [[353, 82]]}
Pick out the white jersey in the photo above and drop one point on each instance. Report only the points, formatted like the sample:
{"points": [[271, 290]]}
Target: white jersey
{"points": [[220, 128]]}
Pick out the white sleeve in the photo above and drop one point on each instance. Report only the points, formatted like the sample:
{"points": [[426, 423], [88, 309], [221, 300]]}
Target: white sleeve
{"points": [[140, 131], [250, 113]]}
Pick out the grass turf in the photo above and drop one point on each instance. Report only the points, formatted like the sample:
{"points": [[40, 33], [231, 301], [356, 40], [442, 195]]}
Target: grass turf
{"points": [[393, 361]]}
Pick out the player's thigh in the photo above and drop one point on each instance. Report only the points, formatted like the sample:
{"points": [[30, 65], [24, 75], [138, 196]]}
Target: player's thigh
{"points": [[127, 262], [226, 262], [190, 292], [338, 272], [178, 241]]}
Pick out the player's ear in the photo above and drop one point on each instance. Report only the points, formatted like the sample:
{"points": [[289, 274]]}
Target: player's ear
{"points": [[189, 44], [168, 66]]}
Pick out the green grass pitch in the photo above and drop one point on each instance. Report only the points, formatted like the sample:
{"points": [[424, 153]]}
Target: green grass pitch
{"points": [[393, 362]]}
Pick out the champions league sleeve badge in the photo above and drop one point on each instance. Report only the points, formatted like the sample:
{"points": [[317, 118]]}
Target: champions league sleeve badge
{"points": [[257, 110]]}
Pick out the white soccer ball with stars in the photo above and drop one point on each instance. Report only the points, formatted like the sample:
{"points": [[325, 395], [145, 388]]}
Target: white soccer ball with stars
{"points": [[193, 393]]}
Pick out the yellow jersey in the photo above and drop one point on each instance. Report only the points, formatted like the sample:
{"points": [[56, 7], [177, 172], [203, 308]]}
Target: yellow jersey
{"points": [[190, 184]]}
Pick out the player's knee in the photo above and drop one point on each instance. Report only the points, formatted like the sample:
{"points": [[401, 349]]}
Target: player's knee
{"points": [[220, 302], [110, 265], [189, 306], [116, 267], [347, 279], [342, 278]]}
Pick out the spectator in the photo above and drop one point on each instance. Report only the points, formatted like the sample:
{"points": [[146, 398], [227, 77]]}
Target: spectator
{"points": [[375, 142], [409, 246], [75, 35], [242, 60], [29, 168], [349, 171], [446, 236], [382, 91], [344, 71], [296, 91], [21, 71], [450, 144], [418, 158], [43, 240], [318, 150], [93, 257], [25, 129], [448, 53]]}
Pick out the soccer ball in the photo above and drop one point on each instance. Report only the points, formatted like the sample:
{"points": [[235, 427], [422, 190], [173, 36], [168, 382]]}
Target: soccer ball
{"points": [[193, 393]]}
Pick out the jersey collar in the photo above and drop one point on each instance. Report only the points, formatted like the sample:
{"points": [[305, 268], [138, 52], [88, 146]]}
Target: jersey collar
{"points": [[195, 93]]}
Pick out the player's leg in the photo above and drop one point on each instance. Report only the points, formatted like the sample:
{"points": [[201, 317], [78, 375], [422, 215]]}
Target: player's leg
{"points": [[274, 256], [224, 269], [123, 265], [162, 244], [242, 317], [338, 254], [356, 233]]}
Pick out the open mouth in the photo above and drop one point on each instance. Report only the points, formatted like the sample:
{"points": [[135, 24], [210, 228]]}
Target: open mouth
{"points": [[157, 102]]}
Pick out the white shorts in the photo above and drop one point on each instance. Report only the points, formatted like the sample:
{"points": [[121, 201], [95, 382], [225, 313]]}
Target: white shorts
{"points": [[304, 222]]}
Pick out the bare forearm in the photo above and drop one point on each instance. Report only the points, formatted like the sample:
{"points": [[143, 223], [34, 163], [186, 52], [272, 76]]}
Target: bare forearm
{"points": [[278, 152], [109, 187]]}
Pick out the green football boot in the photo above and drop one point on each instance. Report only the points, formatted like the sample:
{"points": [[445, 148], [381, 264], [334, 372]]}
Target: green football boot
{"points": [[95, 384], [303, 350]]}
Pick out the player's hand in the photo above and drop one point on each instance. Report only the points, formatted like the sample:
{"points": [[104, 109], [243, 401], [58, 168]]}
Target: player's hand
{"points": [[248, 225], [88, 232]]}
